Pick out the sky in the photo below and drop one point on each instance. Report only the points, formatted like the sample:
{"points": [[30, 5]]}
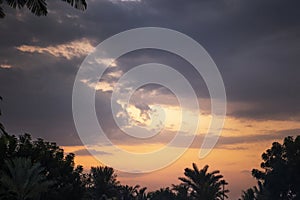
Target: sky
{"points": [[255, 45]]}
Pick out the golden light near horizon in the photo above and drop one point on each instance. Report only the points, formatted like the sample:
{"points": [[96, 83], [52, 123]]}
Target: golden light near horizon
{"points": [[124, 84]]}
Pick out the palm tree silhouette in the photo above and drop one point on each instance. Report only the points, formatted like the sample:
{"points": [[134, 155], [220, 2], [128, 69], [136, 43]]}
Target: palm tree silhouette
{"points": [[256, 193], [223, 182], [104, 182], [39, 7], [129, 192], [204, 185], [182, 191], [23, 180], [162, 194], [249, 194], [141, 194], [2, 129]]}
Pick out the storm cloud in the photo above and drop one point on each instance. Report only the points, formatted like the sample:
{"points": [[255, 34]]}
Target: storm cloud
{"points": [[255, 45]]}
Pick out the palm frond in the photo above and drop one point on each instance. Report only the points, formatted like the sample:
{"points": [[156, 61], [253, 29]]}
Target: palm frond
{"points": [[2, 15], [16, 3], [24, 179], [37, 7], [78, 4]]}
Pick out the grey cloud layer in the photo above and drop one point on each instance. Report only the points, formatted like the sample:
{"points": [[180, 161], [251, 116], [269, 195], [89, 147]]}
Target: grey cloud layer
{"points": [[255, 44]]}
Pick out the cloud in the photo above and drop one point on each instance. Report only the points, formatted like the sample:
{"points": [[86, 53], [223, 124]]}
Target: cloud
{"points": [[107, 61], [5, 66], [254, 44], [69, 50], [85, 152], [102, 86], [224, 142]]}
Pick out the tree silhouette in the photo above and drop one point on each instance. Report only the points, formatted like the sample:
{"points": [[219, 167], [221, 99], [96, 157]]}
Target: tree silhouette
{"points": [[162, 194], [38, 7], [2, 129], [249, 194], [280, 177], [132, 192], [59, 168], [129, 192], [256, 193], [103, 182], [23, 180], [141, 194], [204, 185], [182, 192]]}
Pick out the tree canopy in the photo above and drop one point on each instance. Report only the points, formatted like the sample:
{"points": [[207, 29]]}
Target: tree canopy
{"points": [[23, 180], [38, 7], [279, 177], [204, 185]]}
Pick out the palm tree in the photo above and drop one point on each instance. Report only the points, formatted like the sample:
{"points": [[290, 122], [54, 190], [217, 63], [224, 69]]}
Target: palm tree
{"points": [[162, 194], [249, 194], [104, 182], [2, 129], [141, 194], [256, 193], [182, 192], [223, 182], [23, 180], [129, 192], [204, 185], [38, 7]]}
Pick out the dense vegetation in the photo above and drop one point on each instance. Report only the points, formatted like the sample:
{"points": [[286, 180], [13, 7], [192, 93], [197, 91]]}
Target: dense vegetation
{"points": [[37, 169], [37, 7]]}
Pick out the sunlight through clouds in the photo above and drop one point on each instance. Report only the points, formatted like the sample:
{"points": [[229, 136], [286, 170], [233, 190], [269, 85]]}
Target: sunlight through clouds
{"points": [[102, 86], [5, 66], [77, 48]]}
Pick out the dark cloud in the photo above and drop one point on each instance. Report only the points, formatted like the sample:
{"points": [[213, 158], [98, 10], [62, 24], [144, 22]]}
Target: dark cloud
{"points": [[85, 152], [254, 43], [255, 138]]}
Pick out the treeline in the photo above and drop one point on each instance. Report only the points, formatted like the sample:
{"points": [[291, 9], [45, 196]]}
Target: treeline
{"points": [[40, 170], [37, 169]]}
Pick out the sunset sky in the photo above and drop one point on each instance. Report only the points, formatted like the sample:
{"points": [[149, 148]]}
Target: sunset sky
{"points": [[255, 45]]}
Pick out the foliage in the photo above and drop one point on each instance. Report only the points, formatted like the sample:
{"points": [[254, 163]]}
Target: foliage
{"points": [[38, 7], [204, 185], [280, 176], [182, 192], [256, 193], [132, 192], [2, 129], [103, 182], [23, 180], [59, 168], [162, 194]]}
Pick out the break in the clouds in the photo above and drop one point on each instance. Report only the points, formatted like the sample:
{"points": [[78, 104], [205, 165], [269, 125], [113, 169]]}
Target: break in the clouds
{"points": [[255, 45], [5, 66], [77, 48]]}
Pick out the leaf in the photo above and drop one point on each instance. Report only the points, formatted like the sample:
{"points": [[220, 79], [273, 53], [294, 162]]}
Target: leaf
{"points": [[0, 96], [16, 3], [2, 15], [37, 7], [78, 4]]}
